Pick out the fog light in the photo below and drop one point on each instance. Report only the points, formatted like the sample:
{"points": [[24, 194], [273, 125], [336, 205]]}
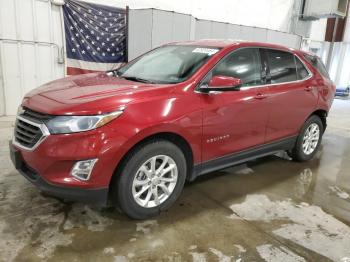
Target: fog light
{"points": [[83, 169]]}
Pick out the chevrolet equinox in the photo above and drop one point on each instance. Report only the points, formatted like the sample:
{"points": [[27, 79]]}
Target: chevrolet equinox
{"points": [[133, 136]]}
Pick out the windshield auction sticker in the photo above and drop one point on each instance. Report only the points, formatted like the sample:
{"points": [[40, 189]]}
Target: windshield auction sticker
{"points": [[208, 51]]}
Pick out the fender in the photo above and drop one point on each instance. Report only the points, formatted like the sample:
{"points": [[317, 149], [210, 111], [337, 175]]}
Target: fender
{"points": [[171, 128]]}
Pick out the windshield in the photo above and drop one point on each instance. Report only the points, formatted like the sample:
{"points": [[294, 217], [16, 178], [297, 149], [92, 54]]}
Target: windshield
{"points": [[168, 64]]}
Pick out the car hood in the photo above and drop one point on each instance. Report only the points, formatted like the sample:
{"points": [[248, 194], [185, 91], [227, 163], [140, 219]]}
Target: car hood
{"points": [[94, 93]]}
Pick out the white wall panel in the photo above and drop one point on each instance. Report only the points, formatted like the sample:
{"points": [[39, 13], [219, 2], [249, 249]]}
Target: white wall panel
{"points": [[140, 32], [31, 46], [219, 30], [150, 28], [7, 19], [182, 27], [245, 33], [42, 18], [253, 34], [162, 28], [233, 31], [335, 61], [26, 26], [272, 14], [12, 75], [45, 57], [281, 38], [28, 68], [318, 30], [168, 27], [56, 25], [344, 75], [347, 30], [202, 29]]}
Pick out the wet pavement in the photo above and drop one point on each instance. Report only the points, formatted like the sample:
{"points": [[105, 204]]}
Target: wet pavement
{"points": [[270, 209]]}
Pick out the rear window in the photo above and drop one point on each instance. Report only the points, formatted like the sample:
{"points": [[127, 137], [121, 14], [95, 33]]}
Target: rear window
{"points": [[317, 63], [282, 66]]}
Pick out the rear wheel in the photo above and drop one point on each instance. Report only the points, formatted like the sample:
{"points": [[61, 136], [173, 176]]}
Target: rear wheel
{"points": [[151, 179], [308, 141]]}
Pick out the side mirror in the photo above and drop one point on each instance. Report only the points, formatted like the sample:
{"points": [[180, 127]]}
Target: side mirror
{"points": [[223, 83]]}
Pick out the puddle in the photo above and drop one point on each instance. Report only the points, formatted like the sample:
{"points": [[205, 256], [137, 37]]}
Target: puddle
{"points": [[276, 254], [220, 256], [340, 193], [306, 225], [83, 216], [199, 257]]}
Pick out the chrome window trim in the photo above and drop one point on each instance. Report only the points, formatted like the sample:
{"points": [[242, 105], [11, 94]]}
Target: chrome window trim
{"points": [[197, 88], [44, 130]]}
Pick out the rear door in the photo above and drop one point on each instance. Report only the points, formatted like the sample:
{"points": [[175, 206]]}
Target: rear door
{"points": [[292, 94]]}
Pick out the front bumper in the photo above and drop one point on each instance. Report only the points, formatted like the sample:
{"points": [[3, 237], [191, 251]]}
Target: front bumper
{"points": [[93, 196]]}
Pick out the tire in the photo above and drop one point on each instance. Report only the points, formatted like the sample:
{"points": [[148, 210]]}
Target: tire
{"points": [[138, 169], [300, 152]]}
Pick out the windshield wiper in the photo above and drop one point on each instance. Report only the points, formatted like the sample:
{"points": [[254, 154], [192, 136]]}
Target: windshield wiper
{"points": [[137, 79]]}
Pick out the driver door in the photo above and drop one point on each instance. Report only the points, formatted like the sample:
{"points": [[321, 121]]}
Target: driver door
{"points": [[235, 120]]}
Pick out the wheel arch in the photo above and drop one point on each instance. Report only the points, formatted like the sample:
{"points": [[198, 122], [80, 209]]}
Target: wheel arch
{"points": [[174, 138], [322, 114]]}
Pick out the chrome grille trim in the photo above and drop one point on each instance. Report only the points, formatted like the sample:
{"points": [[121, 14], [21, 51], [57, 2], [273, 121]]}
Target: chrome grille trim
{"points": [[24, 133], [35, 116]]}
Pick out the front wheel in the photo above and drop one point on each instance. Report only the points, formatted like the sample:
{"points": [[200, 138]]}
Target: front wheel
{"points": [[308, 141], [151, 179]]}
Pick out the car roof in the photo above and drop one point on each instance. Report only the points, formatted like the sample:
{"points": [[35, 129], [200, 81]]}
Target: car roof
{"points": [[223, 43]]}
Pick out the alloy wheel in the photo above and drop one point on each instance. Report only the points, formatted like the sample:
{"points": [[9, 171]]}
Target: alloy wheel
{"points": [[311, 138], [155, 181]]}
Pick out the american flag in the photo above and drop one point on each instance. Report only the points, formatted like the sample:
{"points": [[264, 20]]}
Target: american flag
{"points": [[95, 37]]}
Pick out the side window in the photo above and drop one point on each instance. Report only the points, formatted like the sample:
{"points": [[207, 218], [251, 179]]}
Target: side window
{"points": [[301, 70], [282, 66], [317, 63], [243, 64]]}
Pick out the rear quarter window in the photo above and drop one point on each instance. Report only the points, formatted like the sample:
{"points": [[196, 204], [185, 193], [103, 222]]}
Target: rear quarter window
{"points": [[317, 63], [302, 72]]}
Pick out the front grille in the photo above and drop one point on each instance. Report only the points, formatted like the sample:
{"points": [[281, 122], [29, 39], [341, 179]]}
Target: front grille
{"points": [[27, 134], [28, 130], [35, 116]]}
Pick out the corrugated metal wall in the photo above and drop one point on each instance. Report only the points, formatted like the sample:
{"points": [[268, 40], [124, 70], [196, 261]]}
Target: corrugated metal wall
{"points": [[154, 27], [30, 49]]}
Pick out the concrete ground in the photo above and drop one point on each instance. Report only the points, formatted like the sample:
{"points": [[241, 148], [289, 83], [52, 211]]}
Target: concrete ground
{"points": [[271, 209]]}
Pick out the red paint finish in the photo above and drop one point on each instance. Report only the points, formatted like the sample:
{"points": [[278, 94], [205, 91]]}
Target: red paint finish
{"points": [[224, 82], [289, 106], [237, 116], [213, 125]]}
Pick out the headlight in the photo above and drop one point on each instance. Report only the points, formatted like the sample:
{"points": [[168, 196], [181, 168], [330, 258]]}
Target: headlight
{"points": [[73, 124], [20, 110]]}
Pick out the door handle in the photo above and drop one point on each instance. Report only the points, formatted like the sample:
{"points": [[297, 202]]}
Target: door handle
{"points": [[308, 88], [260, 96]]}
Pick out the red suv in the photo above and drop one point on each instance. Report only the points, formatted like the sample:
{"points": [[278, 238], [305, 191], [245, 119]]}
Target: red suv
{"points": [[133, 136]]}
